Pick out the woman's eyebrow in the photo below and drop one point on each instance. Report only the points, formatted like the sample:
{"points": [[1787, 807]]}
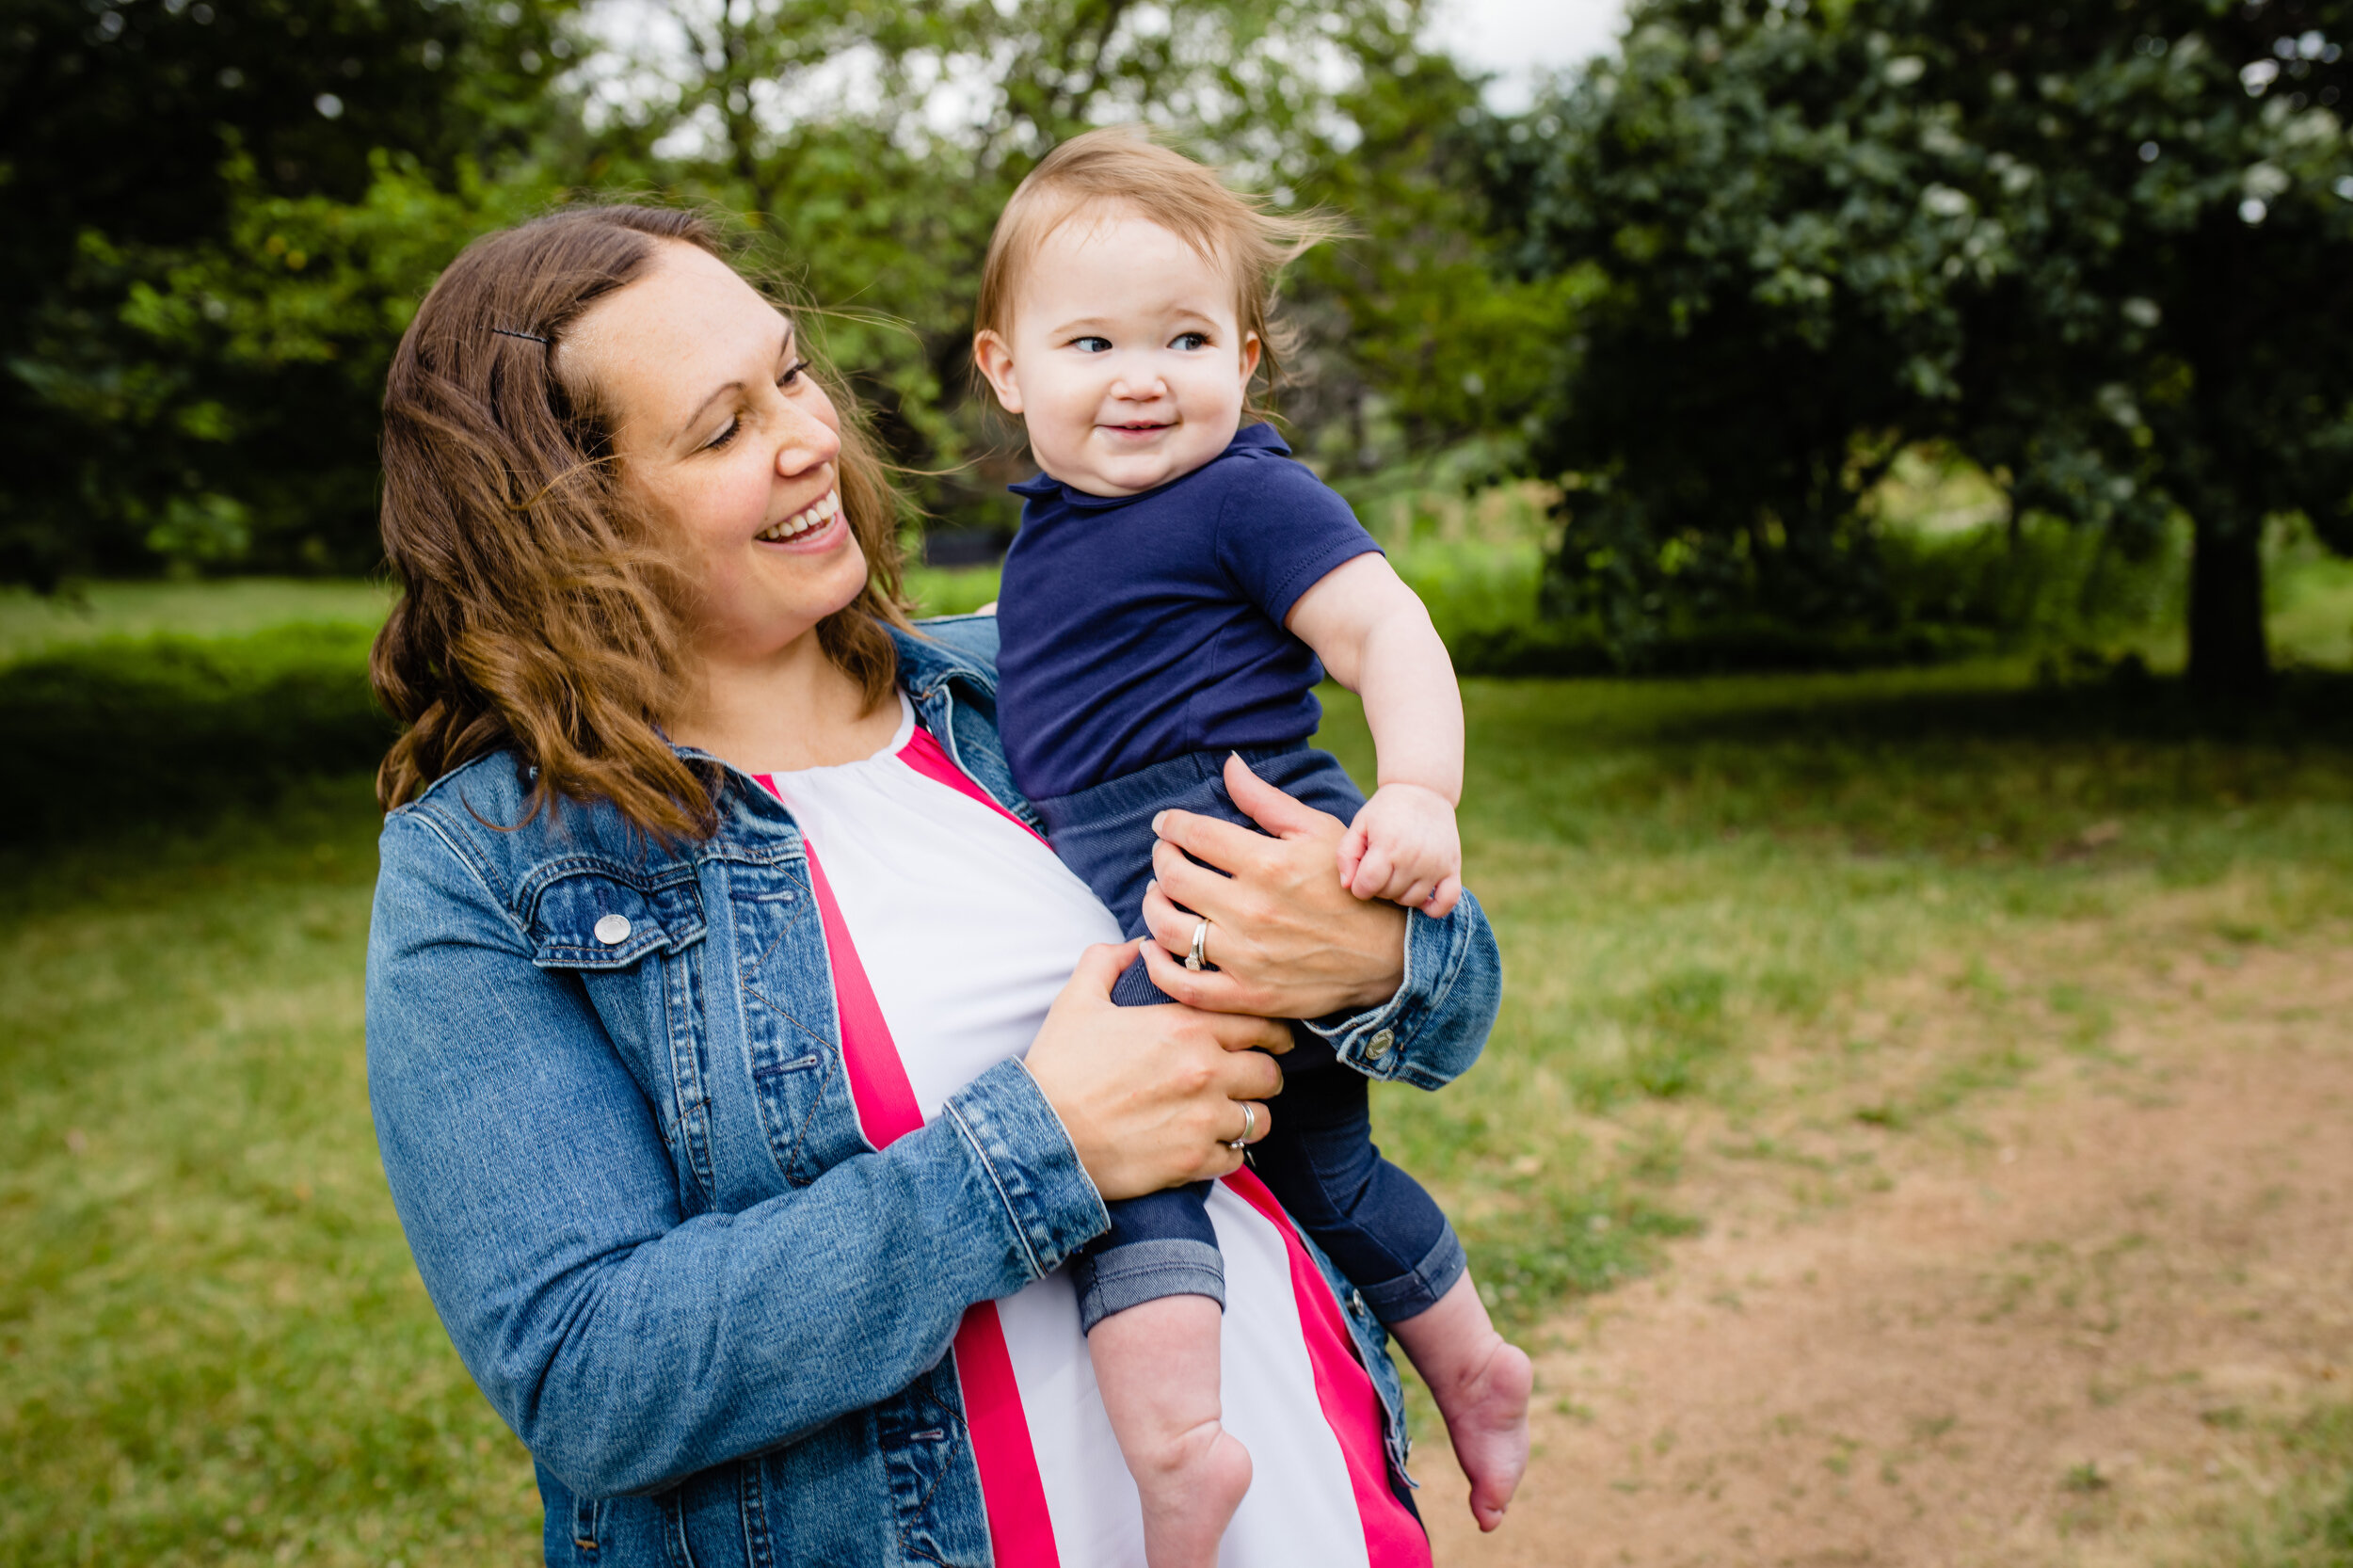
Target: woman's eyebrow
{"points": [[703, 407]]}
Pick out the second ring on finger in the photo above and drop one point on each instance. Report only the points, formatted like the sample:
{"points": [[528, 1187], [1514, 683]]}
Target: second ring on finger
{"points": [[1253, 1120]]}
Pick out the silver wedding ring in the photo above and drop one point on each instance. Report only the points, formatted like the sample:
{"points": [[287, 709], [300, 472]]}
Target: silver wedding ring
{"points": [[1249, 1122], [1196, 958]]}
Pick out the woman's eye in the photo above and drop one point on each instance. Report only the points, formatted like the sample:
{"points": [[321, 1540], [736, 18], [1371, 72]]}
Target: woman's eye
{"points": [[791, 375], [725, 436], [1092, 345], [1189, 341]]}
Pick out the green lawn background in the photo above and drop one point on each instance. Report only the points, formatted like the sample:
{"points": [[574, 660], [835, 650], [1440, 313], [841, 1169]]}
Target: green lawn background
{"points": [[214, 1348]]}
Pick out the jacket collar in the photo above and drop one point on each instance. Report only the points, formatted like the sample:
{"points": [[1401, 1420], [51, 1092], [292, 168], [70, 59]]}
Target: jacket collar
{"points": [[925, 665]]}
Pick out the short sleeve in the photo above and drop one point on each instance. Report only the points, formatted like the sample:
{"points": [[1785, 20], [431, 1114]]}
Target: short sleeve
{"points": [[1280, 529]]}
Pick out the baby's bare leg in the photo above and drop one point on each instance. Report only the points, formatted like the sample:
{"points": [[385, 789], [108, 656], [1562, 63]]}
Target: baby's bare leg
{"points": [[1158, 1366], [1482, 1381]]}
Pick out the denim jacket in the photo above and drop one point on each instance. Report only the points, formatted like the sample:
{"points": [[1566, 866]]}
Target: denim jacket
{"points": [[627, 1161]]}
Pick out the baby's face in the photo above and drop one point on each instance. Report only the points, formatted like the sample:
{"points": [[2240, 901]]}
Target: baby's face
{"points": [[1126, 362]]}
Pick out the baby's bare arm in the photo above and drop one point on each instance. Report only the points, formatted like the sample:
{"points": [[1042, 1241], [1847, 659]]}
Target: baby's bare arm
{"points": [[1375, 638]]}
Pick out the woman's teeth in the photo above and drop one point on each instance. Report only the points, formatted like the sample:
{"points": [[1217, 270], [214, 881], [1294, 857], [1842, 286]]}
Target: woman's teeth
{"points": [[819, 513]]}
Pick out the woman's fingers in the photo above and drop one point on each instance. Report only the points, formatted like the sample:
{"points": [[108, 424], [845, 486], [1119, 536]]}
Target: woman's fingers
{"points": [[1352, 854], [1244, 1036], [1252, 1121], [1231, 849], [1208, 990], [1149, 1095], [1100, 965], [1220, 990], [1234, 900], [1270, 807], [1172, 927]]}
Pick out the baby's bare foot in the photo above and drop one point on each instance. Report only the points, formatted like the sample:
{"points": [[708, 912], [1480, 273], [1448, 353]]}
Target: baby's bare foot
{"points": [[1481, 1382], [1486, 1420], [1190, 1488]]}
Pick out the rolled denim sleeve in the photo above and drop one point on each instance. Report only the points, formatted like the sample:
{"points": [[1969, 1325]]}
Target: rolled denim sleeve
{"points": [[1431, 1031], [628, 1343]]}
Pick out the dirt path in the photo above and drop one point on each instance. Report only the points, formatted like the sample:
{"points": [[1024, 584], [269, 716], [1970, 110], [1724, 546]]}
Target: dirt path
{"points": [[2044, 1345]]}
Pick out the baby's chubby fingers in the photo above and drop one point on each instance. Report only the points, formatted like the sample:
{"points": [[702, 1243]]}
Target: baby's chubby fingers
{"points": [[1375, 874], [1352, 853], [1442, 903]]}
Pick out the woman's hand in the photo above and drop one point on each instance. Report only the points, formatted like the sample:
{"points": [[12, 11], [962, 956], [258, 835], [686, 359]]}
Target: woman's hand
{"points": [[1151, 1095], [1288, 940]]}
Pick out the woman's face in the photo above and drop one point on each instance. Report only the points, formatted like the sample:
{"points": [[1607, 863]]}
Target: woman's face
{"points": [[719, 427]]}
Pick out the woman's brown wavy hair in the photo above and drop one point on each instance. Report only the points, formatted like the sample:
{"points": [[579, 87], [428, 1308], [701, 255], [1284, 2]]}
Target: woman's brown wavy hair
{"points": [[542, 610]]}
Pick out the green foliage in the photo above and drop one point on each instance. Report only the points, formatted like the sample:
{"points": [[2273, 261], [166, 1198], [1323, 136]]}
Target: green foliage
{"points": [[2093, 249], [193, 350], [208, 332], [173, 726], [875, 195]]}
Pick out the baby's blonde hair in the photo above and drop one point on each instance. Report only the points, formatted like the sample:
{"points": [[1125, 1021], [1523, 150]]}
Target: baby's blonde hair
{"points": [[1121, 166]]}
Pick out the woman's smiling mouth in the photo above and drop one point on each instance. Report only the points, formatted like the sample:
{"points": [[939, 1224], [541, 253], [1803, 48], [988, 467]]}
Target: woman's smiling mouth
{"points": [[807, 521]]}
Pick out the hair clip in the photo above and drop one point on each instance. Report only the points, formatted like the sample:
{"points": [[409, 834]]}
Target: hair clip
{"points": [[527, 337]]}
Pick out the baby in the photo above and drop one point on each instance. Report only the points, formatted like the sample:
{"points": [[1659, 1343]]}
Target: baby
{"points": [[1175, 585]]}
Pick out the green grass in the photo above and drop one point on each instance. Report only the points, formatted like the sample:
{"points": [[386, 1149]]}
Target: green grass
{"points": [[213, 1347], [31, 624], [2306, 1521], [176, 727], [1684, 872]]}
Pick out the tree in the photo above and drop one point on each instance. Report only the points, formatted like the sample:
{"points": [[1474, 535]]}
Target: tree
{"points": [[876, 145], [195, 378], [146, 411], [2106, 251]]}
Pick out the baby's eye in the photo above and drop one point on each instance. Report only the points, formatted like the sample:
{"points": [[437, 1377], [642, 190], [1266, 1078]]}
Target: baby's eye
{"points": [[1189, 341], [1092, 344]]}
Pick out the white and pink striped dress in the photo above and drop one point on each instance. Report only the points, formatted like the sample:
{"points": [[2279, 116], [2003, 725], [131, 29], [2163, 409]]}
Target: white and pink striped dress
{"points": [[951, 928]]}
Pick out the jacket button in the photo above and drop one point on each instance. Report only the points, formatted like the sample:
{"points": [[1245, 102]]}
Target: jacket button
{"points": [[613, 930], [1376, 1047]]}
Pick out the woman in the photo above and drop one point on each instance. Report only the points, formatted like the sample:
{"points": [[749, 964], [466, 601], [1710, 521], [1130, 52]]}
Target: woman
{"points": [[741, 1061]]}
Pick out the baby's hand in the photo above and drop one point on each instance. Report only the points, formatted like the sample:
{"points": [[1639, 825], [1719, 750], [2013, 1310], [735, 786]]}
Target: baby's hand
{"points": [[1402, 847]]}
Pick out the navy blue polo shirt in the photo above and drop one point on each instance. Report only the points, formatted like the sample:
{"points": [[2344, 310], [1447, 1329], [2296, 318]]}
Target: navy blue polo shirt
{"points": [[1137, 628]]}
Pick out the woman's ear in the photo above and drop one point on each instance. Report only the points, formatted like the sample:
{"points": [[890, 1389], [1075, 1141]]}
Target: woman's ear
{"points": [[1250, 348], [994, 357]]}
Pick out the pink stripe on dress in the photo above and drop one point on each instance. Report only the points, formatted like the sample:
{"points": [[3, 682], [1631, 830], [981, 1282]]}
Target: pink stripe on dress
{"points": [[1020, 1529], [926, 757], [1393, 1536]]}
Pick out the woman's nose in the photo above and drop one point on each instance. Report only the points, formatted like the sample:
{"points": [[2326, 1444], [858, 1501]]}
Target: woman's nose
{"points": [[809, 442]]}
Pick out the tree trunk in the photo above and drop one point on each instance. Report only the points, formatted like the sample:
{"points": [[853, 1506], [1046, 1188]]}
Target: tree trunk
{"points": [[2229, 655]]}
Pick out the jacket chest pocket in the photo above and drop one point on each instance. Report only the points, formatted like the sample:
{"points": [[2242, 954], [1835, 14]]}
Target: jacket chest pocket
{"points": [[597, 918], [633, 941]]}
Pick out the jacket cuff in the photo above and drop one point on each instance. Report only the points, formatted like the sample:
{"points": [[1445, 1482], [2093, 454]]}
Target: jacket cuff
{"points": [[1382, 1043], [1049, 1200]]}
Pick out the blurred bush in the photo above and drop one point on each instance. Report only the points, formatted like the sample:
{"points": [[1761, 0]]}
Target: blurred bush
{"points": [[177, 727]]}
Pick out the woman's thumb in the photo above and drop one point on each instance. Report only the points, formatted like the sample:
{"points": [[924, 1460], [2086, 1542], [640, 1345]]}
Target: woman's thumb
{"points": [[1099, 967]]}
